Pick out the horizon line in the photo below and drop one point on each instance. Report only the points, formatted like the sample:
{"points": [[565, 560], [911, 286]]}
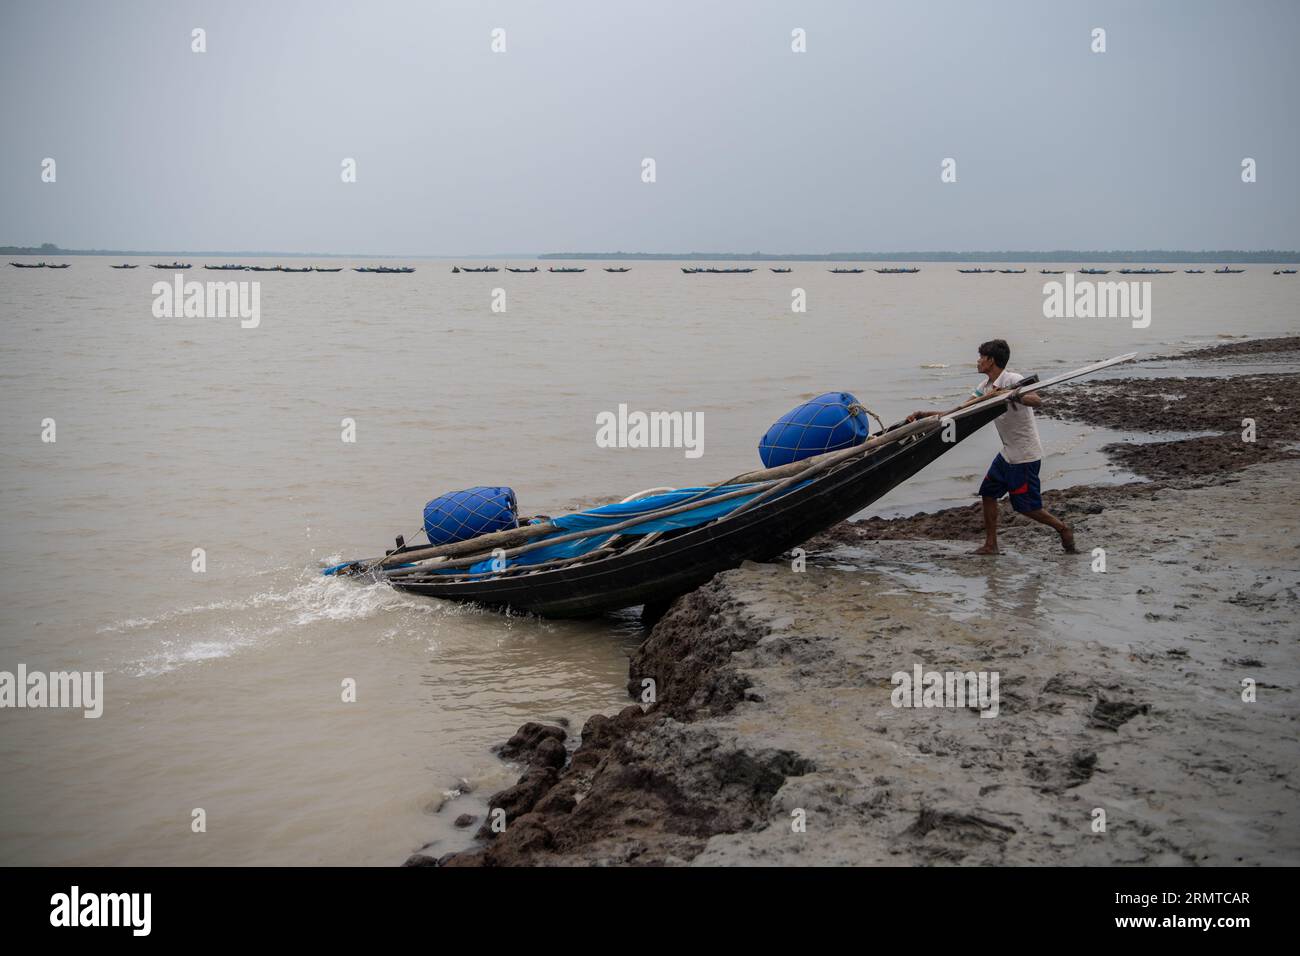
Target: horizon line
{"points": [[936, 255]]}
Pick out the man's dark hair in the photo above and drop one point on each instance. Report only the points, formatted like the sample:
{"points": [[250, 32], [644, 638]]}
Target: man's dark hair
{"points": [[998, 351]]}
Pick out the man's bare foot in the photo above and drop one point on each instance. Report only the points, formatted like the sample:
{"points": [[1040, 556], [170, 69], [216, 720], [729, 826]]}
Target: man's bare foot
{"points": [[1067, 541], [987, 549]]}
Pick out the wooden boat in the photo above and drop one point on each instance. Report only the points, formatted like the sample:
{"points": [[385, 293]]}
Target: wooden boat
{"points": [[621, 269], [1226, 271], [303, 269], [227, 268], [971, 272], [125, 265], [63, 265], [1011, 272], [1283, 272], [728, 272], [783, 508], [533, 269], [845, 272], [898, 272], [689, 272], [781, 270], [1146, 272], [1094, 272], [27, 265], [174, 265], [480, 269], [263, 268], [391, 269], [552, 269], [1194, 272], [335, 269], [1051, 272]]}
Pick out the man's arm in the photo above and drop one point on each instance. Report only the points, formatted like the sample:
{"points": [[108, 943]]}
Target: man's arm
{"points": [[1033, 401], [1028, 399]]}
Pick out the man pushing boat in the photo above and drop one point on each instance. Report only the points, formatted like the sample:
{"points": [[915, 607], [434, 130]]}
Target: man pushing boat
{"points": [[1014, 471]]}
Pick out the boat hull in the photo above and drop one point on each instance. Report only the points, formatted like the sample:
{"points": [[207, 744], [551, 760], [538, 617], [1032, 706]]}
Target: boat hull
{"points": [[679, 564]]}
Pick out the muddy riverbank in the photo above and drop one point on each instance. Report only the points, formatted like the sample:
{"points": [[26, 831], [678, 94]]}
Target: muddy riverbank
{"points": [[1146, 707]]}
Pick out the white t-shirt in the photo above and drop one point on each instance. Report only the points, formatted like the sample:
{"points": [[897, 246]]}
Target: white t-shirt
{"points": [[1016, 425]]}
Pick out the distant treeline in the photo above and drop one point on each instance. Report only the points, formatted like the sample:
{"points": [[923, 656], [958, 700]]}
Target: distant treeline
{"points": [[1013, 255], [50, 249]]}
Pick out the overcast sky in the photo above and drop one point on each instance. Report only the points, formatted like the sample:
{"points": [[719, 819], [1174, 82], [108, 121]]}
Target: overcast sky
{"points": [[461, 150]]}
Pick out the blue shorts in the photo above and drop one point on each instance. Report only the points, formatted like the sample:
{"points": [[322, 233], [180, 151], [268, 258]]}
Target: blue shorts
{"points": [[1018, 481]]}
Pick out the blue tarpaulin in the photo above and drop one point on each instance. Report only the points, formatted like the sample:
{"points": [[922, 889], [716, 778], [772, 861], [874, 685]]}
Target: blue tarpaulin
{"points": [[597, 518]]}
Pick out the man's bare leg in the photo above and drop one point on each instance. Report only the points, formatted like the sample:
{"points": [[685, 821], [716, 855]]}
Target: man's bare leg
{"points": [[990, 527], [1043, 516]]}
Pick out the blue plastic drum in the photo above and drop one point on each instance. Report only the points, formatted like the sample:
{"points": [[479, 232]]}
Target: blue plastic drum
{"points": [[467, 514], [826, 423]]}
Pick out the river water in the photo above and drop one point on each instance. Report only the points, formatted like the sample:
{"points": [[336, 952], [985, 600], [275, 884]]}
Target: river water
{"points": [[224, 687]]}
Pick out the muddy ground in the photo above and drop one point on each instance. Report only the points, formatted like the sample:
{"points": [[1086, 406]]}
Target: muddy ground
{"points": [[1147, 686]]}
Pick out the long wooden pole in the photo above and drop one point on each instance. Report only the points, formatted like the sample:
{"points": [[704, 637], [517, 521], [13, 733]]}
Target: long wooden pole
{"points": [[766, 489], [768, 480]]}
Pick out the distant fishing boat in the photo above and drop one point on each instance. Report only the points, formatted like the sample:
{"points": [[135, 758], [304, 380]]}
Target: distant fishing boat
{"points": [[621, 269], [304, 269], [975, 271], [1094, 272], [1226, 271], [336, 269], [63, 265], [174, 265], [893, 272], [1145, 272], [780, 270], [726, 272], [390, 269], [533, 269], [263, 268], [1283, 272], [125, 265], [1194, 272], [227, 268], [845, 272], [480, 269], [28, 265], [1013, 272], [689, 272], [564, 270], [1051, 272]]}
